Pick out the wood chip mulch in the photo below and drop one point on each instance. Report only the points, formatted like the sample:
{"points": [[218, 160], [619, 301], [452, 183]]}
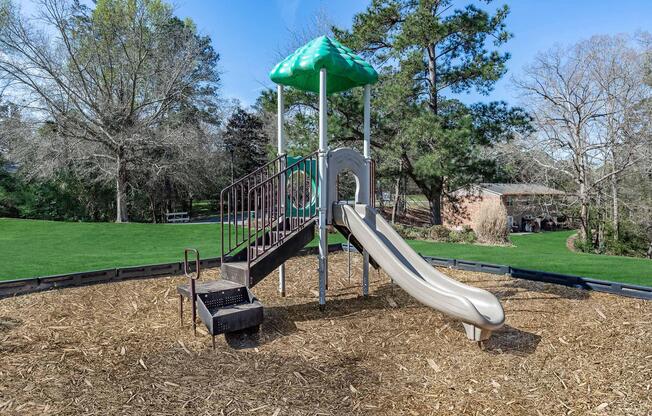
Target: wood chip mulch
{"points": [[119, 349]]}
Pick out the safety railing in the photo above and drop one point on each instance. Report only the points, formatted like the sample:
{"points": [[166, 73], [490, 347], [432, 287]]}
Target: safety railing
{"points": [[254, 212], [274, 217], [234, 206]]}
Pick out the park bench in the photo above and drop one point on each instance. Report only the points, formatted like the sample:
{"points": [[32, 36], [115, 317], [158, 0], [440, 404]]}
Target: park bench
{"points": [[175, 217]]}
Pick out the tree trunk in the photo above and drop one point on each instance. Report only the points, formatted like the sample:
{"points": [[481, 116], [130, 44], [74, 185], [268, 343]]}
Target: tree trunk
{"points": [[614, 207], [434, 200], [432, 77], [152, 207], [121, 190], [397, 194], [168, 196], [232, 169], [585, 231], [649, 251], [585, 227], [432, 190]]}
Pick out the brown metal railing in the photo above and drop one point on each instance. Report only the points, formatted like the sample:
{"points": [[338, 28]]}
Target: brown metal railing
{"points": [[259, 217], [273, 217], [234, 204]]}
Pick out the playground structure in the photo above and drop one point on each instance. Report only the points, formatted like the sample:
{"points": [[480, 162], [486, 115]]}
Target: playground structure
{"points": [[283, 201]]}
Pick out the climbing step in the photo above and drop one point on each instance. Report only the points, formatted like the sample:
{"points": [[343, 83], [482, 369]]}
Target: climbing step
{"points": [[225, 306]]}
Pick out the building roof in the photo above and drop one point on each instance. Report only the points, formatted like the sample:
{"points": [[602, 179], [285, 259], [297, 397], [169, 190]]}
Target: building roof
{"points": [[344, 69], [519, 189]]}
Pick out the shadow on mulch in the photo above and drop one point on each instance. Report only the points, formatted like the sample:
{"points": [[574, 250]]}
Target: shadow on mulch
{"points": [[555, 291], [280, 321], [510, 340], [7, 323]]}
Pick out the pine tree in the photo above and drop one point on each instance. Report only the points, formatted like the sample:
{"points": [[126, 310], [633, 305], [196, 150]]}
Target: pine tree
{"points": [[245, 141], [427, 51]]}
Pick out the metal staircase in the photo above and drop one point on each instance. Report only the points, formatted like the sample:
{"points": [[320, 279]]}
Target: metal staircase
{"points": [[267, 217]]}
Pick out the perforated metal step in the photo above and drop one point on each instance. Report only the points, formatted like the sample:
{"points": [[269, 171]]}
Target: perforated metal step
{"points": [[228, 307]]}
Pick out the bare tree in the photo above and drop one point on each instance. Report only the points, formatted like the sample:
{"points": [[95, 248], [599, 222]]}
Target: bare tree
{"points": [[107, 81], [618, 70], [584, 102]]}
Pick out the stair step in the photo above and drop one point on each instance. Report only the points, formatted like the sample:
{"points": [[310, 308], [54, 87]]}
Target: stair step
{"points": [[268, 257], [234, 318], [226, 306], [207, 287]]}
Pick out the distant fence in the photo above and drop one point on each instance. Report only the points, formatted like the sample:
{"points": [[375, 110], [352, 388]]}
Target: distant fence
{"points": [[10, 288]]}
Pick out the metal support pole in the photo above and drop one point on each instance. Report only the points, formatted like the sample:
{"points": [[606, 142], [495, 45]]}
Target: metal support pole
{"points": [[348, 248], [280, 152], [323, 170], [181, 309], [367, 156]]}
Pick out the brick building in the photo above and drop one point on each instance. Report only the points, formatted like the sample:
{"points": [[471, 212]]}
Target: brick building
{"points": [[529, 206]]}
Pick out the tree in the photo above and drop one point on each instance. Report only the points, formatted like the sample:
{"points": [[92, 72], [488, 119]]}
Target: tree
{"points": [[109, 80], [245, 141], [427, 50], [618, 68], [585, 100]]}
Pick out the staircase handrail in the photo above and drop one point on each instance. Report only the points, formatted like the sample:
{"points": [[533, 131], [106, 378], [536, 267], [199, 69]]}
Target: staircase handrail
{"points": [[272, 216], [231, 192]]}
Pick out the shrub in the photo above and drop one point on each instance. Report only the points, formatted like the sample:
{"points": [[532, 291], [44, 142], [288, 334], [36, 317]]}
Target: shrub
{"points": [[490, 225], [436, 233], [465, 235], [439, 233], [413, 233]]}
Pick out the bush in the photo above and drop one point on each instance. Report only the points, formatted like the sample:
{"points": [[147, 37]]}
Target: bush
{"points": [[490, 225], [465, 235], [439, 233], [436, 233]]}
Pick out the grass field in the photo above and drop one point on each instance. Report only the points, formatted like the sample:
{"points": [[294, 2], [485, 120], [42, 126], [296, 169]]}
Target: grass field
{"points": [[546, 252], [37, 248]]}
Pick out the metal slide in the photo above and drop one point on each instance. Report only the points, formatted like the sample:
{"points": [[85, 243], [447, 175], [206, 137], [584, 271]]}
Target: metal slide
{"points": [[478, 309]]}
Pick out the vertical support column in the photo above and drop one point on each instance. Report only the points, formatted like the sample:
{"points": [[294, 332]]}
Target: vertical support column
{"points": [[281, 151], [367, 156], [323, 190]]}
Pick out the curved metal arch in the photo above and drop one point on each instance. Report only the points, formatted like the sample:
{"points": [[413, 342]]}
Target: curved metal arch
{"points": [[342, 159]]}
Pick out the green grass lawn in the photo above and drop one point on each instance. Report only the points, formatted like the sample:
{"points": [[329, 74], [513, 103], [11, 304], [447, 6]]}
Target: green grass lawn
{"points": [[546, 252], [37, 248]]}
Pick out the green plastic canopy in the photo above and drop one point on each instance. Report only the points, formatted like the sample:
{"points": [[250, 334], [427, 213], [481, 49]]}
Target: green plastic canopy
{"points": [[344, 69]]}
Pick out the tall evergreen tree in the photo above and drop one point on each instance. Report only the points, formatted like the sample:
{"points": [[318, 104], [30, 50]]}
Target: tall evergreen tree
{"points": [[245, 141], [428, 50]]}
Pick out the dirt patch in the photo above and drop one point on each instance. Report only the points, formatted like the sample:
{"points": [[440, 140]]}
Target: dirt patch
{"points": [[118, 349]]}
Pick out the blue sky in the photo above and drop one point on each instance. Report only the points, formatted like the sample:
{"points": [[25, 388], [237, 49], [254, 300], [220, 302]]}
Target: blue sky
{"points": [[249, 35]]}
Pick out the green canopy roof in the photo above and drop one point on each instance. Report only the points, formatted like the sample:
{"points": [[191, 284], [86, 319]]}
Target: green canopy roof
{"points": [[344, 69]]}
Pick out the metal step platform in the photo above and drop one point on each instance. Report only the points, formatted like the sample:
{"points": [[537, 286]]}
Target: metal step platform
{"points": [[223, 306]]}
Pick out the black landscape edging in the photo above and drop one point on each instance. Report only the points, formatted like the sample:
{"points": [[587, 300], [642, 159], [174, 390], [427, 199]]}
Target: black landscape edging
{"points": [[9, 288], [616, 288], [16, 287]]}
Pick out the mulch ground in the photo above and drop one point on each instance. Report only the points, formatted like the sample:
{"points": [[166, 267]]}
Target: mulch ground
{"points": [[119, 349]]}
